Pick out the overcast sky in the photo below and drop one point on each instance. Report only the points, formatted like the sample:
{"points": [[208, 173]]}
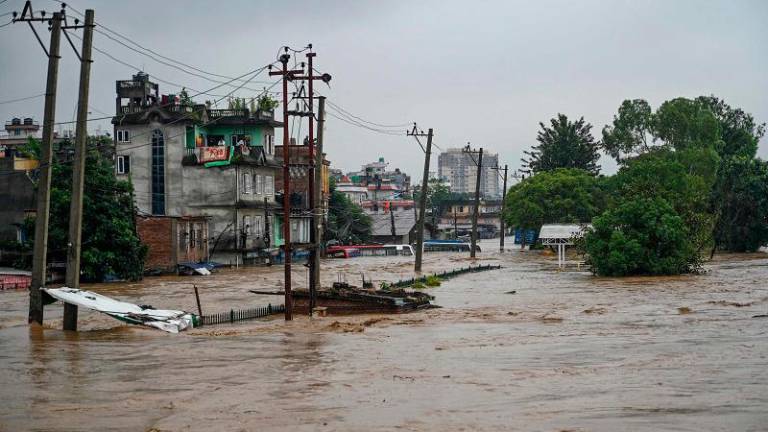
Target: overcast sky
{"points": [[483, 72]]}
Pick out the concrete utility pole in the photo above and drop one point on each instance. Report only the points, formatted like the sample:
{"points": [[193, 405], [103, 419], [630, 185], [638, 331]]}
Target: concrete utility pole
{"points": [[423, 198], [476, 210], [78, 171], [314, 180], [392, 225], [39, 257], [318, 210], [503, 200], [286, 76]]}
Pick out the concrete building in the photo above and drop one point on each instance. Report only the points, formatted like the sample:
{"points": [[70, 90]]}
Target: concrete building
{"points": [[457, 220], [173, 240], [355, 192], [17, 195], [187, 160], [460, 171]]}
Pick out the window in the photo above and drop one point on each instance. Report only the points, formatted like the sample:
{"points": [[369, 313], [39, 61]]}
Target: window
{"points": [[259, 181], [269, 184], [269, 143], [123, 136], [123, 164], [247, 185], [258, 228], [192, 237], [158, 172], [17, 132], [247, 227]]}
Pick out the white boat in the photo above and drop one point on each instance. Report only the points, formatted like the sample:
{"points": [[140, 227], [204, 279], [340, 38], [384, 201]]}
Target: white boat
{"points": [[172, 321]]}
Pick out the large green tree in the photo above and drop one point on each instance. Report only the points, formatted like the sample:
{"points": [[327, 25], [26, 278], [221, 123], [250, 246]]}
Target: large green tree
{"points": [[347, 223], [564, 144], [643, 236], [712, 140], [110, 244], [558, 196]]}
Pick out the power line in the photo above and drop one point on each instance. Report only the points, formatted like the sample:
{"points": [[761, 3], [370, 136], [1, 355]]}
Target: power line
{"points": [[21, 99]]}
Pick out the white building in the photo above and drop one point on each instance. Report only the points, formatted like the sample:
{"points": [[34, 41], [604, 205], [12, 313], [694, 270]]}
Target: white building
{"points": [[460, 170]]}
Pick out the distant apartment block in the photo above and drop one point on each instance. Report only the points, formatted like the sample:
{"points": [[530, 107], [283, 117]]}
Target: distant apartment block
{"points": [[460, 170]]}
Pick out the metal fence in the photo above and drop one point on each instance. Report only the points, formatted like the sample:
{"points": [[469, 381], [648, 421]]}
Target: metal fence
{"points": [[446, 274], [241, 315]]}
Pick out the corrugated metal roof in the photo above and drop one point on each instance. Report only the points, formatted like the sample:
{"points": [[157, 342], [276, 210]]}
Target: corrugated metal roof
{"points": [[562, 231], [382, 224]]}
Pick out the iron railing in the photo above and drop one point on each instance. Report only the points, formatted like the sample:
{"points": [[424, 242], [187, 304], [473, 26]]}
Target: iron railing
{"points": [[241, 315], [445, 275]]}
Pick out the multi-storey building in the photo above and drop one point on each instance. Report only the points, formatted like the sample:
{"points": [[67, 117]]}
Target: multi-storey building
{"points": [[459, 169], [190, 161]]}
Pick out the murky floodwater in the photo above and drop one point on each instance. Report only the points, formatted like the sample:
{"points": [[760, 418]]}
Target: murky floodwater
{"points": [[566, 351]]}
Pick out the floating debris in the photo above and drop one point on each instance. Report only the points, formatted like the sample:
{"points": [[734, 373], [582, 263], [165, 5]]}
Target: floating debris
{"points": [[344, 298], [172, 321]]}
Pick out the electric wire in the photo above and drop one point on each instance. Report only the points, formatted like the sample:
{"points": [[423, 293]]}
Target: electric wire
{"points": [[21, 99]]}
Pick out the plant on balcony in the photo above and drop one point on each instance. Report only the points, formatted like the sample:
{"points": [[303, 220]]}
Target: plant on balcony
{"points": [[237, 103], [185, 99], [266, 103]]}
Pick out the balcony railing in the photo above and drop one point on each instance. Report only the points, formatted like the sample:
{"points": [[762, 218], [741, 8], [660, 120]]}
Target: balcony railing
{"points": [[218, 113]]}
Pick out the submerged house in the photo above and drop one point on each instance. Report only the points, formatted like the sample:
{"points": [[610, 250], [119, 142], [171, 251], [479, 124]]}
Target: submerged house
{"points": [[192, 162]]}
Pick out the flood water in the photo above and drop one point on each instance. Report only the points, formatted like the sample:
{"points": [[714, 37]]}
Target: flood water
{"points": [[565, 352]]}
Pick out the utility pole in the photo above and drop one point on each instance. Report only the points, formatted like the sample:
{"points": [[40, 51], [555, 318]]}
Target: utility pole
{"points": [[39, 258], [286, 76], [455, 225], [476, 210], [78, 169], [503, 200], [423, 198], [318, 210], [392, 225], [314, 181]]}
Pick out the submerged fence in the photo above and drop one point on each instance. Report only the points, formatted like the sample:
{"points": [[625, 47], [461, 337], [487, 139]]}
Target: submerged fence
{"points": [[241, 315], [445, 274]]}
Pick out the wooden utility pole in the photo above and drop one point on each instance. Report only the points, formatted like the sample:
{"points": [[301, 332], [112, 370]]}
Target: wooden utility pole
{"points": [[503, 200], [286, 76], [78, 172], [39, 257], [455, 225], [318, 210], [476, 210], [423, 198]]}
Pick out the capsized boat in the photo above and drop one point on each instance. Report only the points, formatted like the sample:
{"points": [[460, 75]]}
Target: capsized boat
{"points": [[172, 321]]}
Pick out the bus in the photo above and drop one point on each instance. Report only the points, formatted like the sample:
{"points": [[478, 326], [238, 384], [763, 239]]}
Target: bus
{"points": [[448, 246], [342, 251]]}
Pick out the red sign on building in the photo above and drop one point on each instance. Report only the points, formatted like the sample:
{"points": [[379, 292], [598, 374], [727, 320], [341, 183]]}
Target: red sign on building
{"points": [[210, 154]]}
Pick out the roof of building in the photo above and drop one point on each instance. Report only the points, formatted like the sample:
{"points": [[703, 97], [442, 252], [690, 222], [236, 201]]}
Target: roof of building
{"points": [[382, 223], [562, 232]]}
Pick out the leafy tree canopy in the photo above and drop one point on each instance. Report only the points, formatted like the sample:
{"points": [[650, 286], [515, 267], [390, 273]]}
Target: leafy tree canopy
{"points": [[564, 144], [110, 244], [644, 236], [347, 223], [558, 196]]}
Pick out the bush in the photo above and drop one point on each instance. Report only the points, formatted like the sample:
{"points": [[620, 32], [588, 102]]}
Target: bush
{"points": [[433, 281], [641, 237]]}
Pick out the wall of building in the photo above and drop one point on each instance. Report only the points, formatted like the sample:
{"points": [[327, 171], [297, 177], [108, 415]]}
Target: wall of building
{"points": [[17, 194], [160, 236]]}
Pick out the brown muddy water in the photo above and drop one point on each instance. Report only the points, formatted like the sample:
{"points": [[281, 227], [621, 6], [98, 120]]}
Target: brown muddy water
{"points": [[566, 351]]}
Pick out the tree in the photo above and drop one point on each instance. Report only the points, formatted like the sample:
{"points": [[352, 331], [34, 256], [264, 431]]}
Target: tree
{"points": [[683, 179], [110, 244], [741, 205], [558, 196], [643, 236], [347, 223], [631, 132], [564, 144]]}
